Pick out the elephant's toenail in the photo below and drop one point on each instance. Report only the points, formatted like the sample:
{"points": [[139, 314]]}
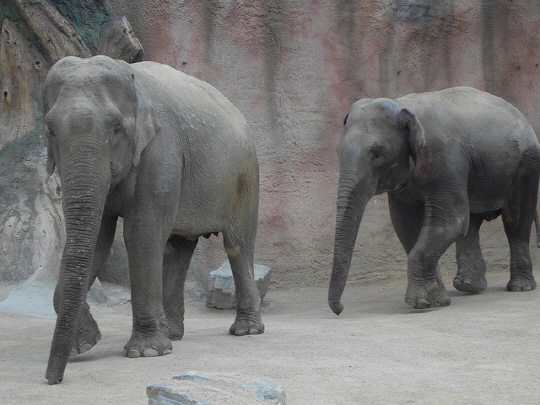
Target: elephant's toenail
{"points": [[85, 347], [133, 353], [151, 352]]}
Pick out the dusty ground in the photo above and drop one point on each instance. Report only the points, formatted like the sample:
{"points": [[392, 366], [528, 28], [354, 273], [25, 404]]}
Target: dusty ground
{"points": [[483, 349]]}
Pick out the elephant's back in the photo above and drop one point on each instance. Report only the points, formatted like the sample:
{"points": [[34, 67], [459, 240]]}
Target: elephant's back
{"points": [[212, 125], [485, 133], [471, 115], [195, 99]]}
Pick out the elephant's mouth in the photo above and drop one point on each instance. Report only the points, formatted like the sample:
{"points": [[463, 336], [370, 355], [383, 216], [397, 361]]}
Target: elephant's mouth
{"points": [[388, 186]]}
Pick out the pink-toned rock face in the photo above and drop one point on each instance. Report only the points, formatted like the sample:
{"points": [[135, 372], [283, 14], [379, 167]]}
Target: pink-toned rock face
{"points": [[294, 68]]}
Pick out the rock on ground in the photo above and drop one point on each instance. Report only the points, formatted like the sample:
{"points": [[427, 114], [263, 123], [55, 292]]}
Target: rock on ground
{"points": [[195, 388], [221, 290]]}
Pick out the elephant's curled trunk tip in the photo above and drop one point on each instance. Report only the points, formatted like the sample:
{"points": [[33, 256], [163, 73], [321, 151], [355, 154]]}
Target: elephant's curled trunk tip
{"points": [[53, 378], [336, 307], [53, 381], [55, 370]]}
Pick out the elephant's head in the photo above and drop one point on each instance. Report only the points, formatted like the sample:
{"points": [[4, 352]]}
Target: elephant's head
{"points": [[380, 139], [97, 123]]}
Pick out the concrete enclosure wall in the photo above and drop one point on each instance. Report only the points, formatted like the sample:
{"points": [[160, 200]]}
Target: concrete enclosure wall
{"points": [[294, 67]]}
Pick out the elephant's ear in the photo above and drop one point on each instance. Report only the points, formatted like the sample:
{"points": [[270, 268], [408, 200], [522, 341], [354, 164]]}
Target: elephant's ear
{"points": [[146, 125], [416, 135]]}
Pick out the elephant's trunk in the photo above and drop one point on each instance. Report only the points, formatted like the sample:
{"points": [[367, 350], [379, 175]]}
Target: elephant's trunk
{"points": [[352, 200], [85, 183]]}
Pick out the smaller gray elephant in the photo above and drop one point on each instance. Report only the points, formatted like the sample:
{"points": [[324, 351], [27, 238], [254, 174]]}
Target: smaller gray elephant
{"points": [[448, 160], [173, 157]]}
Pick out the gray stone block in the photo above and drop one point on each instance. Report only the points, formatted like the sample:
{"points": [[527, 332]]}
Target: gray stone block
{"points": [[221, 291], [212, 388]]}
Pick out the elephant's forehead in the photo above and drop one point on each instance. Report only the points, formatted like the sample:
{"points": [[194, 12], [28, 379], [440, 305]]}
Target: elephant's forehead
{"points": [[370, 127], [379, 109], [98, 85], [84, 72]]}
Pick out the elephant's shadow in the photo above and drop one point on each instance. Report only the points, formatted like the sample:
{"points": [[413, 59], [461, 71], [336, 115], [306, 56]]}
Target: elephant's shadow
{"points": [[96, 355], [389, 301]]}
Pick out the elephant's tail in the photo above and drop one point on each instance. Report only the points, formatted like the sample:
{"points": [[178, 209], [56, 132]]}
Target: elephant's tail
{"points": [[537, 225]]}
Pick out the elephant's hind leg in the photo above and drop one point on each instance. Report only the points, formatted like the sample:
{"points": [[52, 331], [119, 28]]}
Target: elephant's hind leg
{"points": [[248, 318], [176, 260], [517, 220], [471, 275]]}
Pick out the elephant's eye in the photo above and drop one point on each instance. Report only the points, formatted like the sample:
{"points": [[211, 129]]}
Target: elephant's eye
{"points": [[114, 121], [117, 129], [376, 151]]}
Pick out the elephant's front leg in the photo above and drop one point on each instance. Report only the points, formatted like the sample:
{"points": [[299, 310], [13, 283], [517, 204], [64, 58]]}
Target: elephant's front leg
{"points": [[425, 287], [88, 334], [145, 246], [407, 219], [443, 224]]}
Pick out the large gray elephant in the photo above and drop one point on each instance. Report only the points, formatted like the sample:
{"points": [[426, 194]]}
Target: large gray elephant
{"points": [[448, 160], [173, 157]]}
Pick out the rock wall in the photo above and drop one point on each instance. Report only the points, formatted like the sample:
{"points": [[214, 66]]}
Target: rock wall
{"points": [[294, 67], [33, 36]]}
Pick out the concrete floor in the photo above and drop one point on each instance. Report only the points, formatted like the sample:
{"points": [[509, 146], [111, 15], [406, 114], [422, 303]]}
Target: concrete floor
{"points": [[483, 349]]}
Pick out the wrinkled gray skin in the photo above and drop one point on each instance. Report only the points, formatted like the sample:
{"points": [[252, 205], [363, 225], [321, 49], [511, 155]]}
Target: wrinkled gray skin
{"points": [[175, 159], [448, 160]]}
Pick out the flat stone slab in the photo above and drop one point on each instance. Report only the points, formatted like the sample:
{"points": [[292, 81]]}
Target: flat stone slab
{"points": [[221, 290], [213, 388]]}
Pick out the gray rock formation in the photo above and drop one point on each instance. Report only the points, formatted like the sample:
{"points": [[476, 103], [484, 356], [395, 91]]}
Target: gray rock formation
{"points": [[195, 388], [221, 291]]}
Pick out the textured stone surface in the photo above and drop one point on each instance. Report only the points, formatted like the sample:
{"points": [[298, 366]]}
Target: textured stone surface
{"points": [[209, 388], [292, 68], [221, 290], [33, 36]]}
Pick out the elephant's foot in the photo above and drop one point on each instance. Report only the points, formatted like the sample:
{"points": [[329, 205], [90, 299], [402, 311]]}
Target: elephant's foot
{"points": [[517, 284], [175, 320], [470, 282], [428, 295], [247, 325], [148, 346], [87, 335], [176, 329]]}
